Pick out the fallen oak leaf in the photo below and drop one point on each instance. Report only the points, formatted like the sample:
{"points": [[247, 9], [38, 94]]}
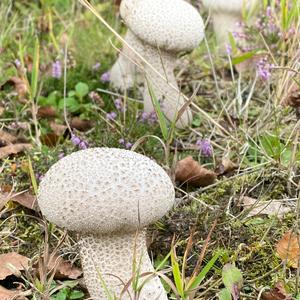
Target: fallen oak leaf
{"points": [[190, 171], [255, 207], [11, 264], [13, 149], [27, 200], [288, 248], [81, 125], [46, 112], [226, 166], [63, 269]]}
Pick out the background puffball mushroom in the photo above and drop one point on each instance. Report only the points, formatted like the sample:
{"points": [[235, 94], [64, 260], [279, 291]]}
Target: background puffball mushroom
{"points": [[227, 17], [158, 31], [106, 195]]}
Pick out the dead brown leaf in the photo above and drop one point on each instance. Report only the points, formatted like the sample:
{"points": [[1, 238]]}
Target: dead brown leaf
{"points": [[58, 129], [11, 264], [20, 86], [226, 166], [255, 207], [27, 200], [6, 138], [190, 171], [288, 248], [13, 149], [276, 293], [63, 268], [81, 125], [46, 112], [6, 294]]}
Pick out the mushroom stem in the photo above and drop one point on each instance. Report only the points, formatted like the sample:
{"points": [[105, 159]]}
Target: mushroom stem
{"points": [[111, 259], [124, 73], [166, 91], [225, 23]]}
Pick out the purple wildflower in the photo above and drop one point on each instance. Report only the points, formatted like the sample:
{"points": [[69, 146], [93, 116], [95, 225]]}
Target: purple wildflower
{"points": [[119, 105], [128, 145], [111, 116], [61, 155], [105, 77], [264, 68], [56, 70], [75, 140], [18, 63], [205, 147], [83, 145], [146, 117], [96, 66], [122, 142], [39, 177], [228, 49]]}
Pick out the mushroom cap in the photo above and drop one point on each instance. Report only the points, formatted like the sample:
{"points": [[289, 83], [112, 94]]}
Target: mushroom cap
{"points": [[105, 190], [229, 6], [170, 25]]}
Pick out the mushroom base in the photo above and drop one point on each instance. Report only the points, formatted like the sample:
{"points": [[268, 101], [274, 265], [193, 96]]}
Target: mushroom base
{"points": [[224, 24], [108, 261]]}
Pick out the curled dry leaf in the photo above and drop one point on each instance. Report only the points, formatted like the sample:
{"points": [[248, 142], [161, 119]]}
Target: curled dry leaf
{"points": [[226, 166], [63, 269], [20, 86], [6, 138], [6, 294], [81, 125], [190, 171], [27, 200], [58, 129], [13, 149], [11, 264], [277, 293], [255, 207], [46, 112], [288, 248]]}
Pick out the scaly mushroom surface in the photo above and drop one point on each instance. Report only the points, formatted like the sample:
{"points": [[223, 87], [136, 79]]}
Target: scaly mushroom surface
{"points": [[158, 30], [227, 17], [108, 195]]}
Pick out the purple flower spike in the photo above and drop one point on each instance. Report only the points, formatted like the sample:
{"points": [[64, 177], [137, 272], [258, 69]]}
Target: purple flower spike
{"points": [[205, 147], [128, 145], [83, 145], [61, 155], [56, 70], [96, 66], [111, 116], [119, 105], [264, 69], [75, 140], [105, 77], [122, 142], [228, 49]]}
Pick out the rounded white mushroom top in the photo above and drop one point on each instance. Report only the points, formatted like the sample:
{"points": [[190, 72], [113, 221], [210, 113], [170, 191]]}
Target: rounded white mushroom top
{"points": [[172, 25], [229, 6], [105, 190]]}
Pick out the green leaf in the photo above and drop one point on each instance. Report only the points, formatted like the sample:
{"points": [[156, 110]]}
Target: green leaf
{"points": [[176, 273], [239, 59], [71, 103], [224, 295], [161, 118], [61, 295], [199, 278], [82, 89], [76, 295], [233, 279]]}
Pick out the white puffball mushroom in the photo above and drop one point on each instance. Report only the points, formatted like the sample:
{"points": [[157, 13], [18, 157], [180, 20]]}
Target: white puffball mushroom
{"points": [[107, 195], [226, 17], [158, 30]]}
